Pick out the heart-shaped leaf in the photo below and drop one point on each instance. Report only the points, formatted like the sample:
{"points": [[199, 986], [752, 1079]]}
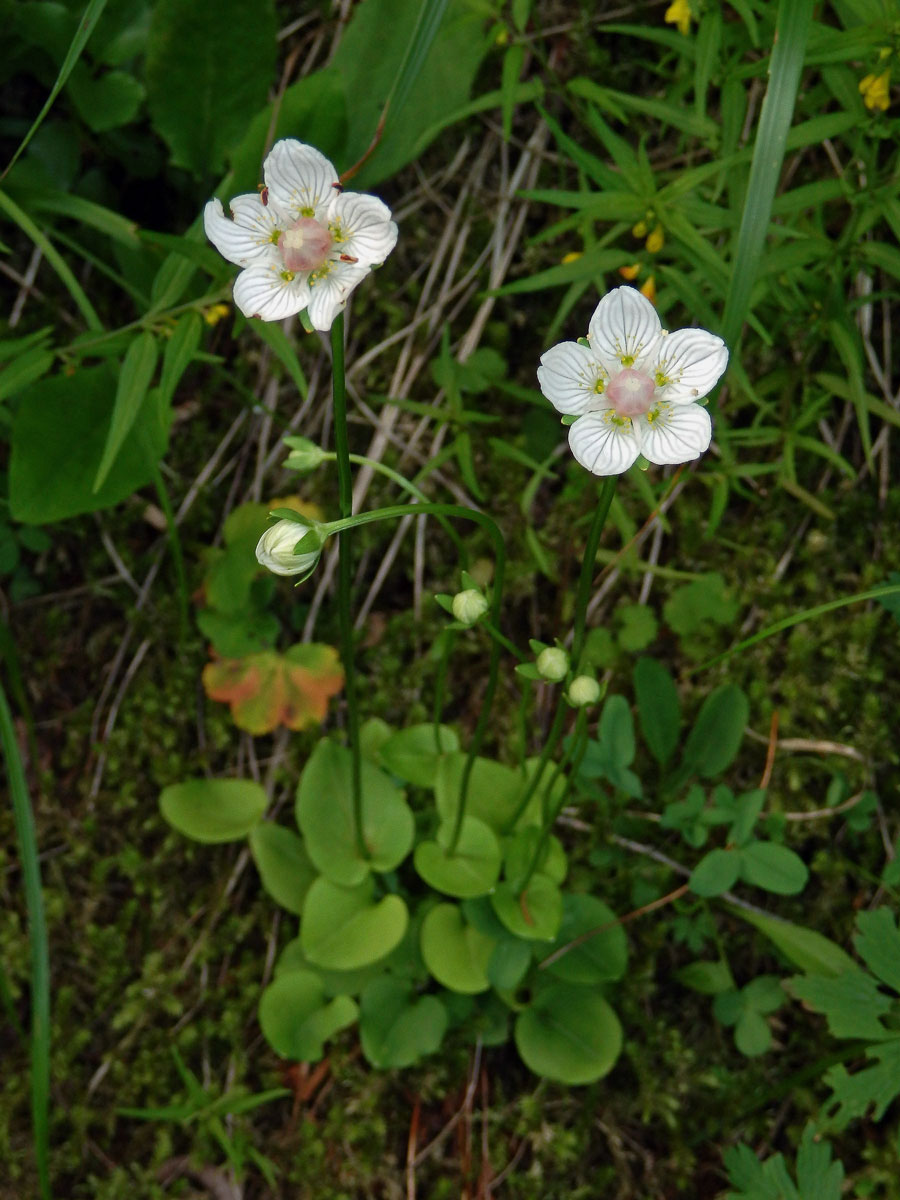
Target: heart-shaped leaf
{"points": [[325, 816], [455, 953], [345, 928], [414, 754], [396, 1027], [283, 864], [569, 1034], [603, 955], [213, 810], [296, 1018], [473, 867], [535, 913]]}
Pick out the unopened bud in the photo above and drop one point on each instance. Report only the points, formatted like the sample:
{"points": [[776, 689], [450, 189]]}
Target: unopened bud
{"points": [[655, 240], [275, 549], [469, 606], [305, 455], [553, 664], [584, 690]]}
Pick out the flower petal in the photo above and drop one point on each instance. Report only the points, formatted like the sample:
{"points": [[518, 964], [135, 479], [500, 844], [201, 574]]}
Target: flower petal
{"points": [[262, 291], [330, 291], [624, 329], [692, 361], [301, 179], [674, 433], [248, 237], [568, 377], [362, 228], [604, 443]]}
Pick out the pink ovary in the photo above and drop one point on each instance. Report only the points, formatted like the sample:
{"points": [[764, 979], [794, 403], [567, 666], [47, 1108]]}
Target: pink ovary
{"points": [[631, 393], [305, 245]]}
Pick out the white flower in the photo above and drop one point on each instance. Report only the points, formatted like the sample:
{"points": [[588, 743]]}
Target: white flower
{"points": [[633, 388], [275, 549], [302, 241]]}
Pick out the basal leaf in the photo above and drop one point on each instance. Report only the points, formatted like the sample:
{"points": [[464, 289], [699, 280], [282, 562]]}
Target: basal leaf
{"points": [[269, 689], [343, 929], [296, 1017], [398, 1028], [569, 1034], [213, 810], [456, 953]]}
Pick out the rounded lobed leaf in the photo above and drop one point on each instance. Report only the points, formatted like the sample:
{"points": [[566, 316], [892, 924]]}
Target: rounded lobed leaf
{"points": [[569, 1034], [455, 953], [296, 1018], [345, 928]]}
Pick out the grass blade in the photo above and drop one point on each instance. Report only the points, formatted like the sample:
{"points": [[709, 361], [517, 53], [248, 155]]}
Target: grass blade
{"points": [[40, 957], [791, 32], [79, 41]]}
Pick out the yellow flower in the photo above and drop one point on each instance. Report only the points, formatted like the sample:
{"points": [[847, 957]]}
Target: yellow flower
{"points": [[572, 256], [655, 240], [639, 230], [215, 313], [876, 90], [679, 13], [649, 289], [631, 272]]}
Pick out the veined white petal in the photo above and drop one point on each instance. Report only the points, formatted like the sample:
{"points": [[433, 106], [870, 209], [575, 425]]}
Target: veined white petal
{"points": [[300, 179], [624, 330], [329, 290], [263, 291], [362, 228], [691, 360], [674, 433], [249, 237], [568, 377], [604, 443]]}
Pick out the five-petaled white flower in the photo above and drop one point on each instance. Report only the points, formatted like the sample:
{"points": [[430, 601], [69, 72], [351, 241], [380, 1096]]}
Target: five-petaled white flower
{"points": [[633, 388], [302, 241]]}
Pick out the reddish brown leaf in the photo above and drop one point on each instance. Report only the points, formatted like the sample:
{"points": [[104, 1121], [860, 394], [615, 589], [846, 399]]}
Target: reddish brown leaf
{"points": [[269, 689]]}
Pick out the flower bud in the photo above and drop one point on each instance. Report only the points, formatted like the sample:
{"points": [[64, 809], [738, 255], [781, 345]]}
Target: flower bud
{"points": [[275, 549], [583, 690], [655, 240], [305, 455], [469, 606], [552, 664]]}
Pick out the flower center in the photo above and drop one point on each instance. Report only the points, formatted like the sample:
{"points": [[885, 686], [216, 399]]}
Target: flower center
{"points": [[631, 392], [305, 246]]}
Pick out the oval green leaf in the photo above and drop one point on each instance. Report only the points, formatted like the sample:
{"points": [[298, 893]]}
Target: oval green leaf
{"points": [[325, 816], [718, 731], [296, 1018], [569, 1034], [774, 868], [471, 870], [715, 873], [344, 928], [283, 864], [213, 810], [492, 794], [455, 953]]}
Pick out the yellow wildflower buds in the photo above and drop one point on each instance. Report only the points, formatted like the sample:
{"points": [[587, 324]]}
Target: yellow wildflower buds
{"points": [[572, 256], [876, 91], [215, 313], [469, 606], [552, 664], [639, 230], [631, 272], [656, 240], [648, 289], [679, 13], [583, 690]]}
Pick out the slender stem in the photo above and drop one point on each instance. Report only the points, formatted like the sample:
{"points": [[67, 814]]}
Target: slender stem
{"points": [[345, 547], [588, 565], [482, 519], [582, 599], [446, 643], [549, 810]]}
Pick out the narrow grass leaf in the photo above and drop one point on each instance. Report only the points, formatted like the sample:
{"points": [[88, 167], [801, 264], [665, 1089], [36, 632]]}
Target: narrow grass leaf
{"points": [[791, 31], [37, 937], [134, 380], [83, 31]]}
